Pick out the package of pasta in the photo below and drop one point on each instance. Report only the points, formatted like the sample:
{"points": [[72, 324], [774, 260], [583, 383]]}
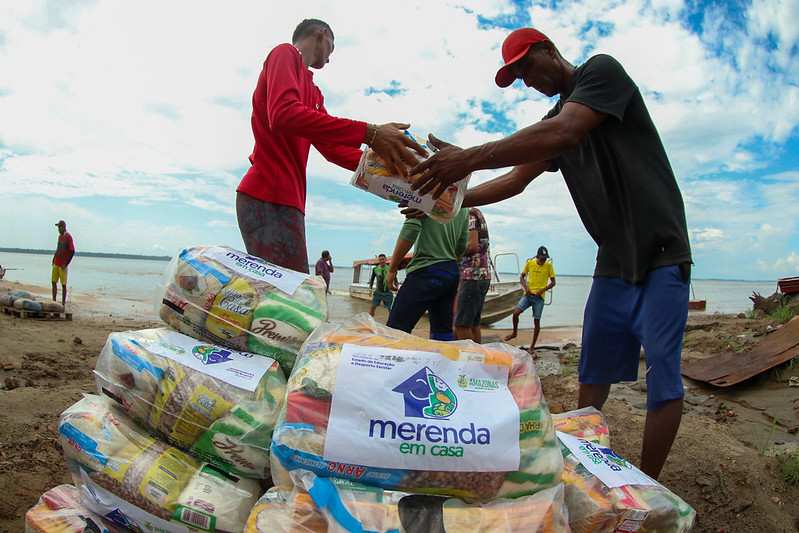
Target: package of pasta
{"points": [[232, 299], [61, 510], [372, 175], [587, 423], [333, 505], [604, 492], [218, 403], [378, 406]]}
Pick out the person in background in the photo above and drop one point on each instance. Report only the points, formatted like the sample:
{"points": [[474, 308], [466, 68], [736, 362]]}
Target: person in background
{"points": [[382, 291], [64, 252], [431, 279], [324, 267], [475, 279], [289, 116], [540, 278], [601, 137]]}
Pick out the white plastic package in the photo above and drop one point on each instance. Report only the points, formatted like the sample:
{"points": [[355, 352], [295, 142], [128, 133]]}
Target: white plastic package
{"points": [[372, 175]]}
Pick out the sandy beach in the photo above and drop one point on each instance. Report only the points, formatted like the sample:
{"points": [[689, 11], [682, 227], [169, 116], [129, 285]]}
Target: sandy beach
{"points": [[725, 461]]}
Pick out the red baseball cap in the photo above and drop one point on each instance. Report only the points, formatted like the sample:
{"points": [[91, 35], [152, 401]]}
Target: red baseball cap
{"points": [[513, 49]]}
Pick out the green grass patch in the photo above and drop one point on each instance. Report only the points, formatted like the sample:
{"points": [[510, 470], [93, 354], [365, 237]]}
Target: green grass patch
{"points": [[790, 468]]}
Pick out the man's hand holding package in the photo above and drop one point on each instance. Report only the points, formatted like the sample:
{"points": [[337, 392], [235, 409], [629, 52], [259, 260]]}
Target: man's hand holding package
{"points": [[394, 147], [445, 167]]}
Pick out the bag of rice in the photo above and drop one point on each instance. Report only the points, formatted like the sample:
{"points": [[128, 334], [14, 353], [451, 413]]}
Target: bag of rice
{"points": [[372, 175], [219, 403], [333, 505], [232, 299], [606, 493], [382, 407]]}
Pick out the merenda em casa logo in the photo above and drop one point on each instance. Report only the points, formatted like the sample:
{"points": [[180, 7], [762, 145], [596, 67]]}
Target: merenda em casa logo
{"points": [[210, 355], [427, 396]]}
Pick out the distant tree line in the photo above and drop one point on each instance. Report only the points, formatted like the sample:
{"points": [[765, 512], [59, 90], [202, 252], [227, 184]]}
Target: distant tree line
{"points": [[88, 254]]}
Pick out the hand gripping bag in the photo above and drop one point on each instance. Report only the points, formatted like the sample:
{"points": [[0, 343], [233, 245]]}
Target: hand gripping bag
{"points": [[219, 404], [229, 298], [384, 408], [372, 175]]}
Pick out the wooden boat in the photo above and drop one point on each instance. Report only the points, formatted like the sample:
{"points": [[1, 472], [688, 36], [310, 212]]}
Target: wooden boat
{"points": [[788, 285], [694, 304], [500, 300]]}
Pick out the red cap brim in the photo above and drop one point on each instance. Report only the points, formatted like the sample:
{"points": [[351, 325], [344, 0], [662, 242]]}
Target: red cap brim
{"points": [[504, 77]]}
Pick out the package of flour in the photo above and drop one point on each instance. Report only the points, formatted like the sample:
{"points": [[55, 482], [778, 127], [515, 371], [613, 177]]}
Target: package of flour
{"points": [[372, 175], [230, 298]]}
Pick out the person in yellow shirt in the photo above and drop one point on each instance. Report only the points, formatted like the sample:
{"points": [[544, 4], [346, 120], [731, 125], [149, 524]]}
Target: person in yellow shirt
{"points": [[540, 278]]}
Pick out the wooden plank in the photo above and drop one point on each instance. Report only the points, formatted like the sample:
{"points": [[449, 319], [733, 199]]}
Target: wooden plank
{"points": [[41, 315], [730, 368]]}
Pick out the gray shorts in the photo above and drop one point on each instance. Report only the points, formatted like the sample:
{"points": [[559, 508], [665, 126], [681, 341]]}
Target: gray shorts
{"points": [[469, 305]]}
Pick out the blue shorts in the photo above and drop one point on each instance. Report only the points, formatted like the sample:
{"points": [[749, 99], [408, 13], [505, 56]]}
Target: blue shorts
{"points": [[382, 296], [621, 317], [432, 289], [534, 301]]}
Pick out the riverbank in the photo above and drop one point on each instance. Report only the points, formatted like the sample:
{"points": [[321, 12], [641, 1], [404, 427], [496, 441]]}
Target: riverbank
{"points": [[725, 461]]}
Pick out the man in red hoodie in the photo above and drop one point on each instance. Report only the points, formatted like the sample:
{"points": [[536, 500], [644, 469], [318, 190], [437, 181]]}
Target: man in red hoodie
{"points": [[288, 117]]}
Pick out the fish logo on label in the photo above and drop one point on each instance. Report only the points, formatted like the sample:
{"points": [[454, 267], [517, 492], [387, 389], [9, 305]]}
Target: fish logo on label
{"points": [[427, 396], [211, 355]]}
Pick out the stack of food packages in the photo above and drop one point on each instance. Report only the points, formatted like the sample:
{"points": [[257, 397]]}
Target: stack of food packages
{"points": [[603, 492], [179, 437], [384, 431], [372, 175]]}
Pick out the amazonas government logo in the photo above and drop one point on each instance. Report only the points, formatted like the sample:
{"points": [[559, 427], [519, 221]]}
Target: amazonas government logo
{"points": [[427, 396]]}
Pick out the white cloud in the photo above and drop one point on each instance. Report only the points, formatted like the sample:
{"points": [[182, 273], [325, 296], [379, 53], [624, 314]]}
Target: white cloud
{"points": [[132, 120]]}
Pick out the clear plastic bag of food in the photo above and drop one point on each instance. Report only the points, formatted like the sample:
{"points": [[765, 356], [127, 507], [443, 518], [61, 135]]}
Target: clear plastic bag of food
{"points": [[61, 510], [381, 407], [229, 298], [332, 505], [144, 484], [587, 423], [218, 403], [604, 492], [372, 175]]}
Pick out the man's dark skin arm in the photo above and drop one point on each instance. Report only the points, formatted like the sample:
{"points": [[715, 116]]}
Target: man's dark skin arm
{"points": [[536, 143]]}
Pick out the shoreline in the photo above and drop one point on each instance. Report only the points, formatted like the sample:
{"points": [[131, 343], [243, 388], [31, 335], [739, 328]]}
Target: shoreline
{"points": [[87, 305]]}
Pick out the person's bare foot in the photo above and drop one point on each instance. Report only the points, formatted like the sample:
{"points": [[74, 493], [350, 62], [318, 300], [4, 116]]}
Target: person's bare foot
{"points": [[509, 336], [531, 351]]}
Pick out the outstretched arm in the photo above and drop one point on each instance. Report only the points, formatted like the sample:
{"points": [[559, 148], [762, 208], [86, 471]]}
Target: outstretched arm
{"points": [[504, 186], [537, 143]]}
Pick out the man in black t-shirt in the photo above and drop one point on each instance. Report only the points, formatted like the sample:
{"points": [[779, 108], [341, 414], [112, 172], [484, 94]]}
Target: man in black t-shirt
{"points": [[602, 139]]}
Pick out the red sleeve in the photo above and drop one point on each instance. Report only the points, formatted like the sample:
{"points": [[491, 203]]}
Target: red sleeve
{"points": [[288, 115]]}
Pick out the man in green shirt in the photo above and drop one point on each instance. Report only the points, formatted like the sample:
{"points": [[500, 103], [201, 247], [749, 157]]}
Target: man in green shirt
{"points": [[431, 281], [382, 292]]}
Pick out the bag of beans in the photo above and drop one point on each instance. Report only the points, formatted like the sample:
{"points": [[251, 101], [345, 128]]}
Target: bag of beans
{"points": [[325, 504], [232, 299], [218, 403], [381, 407], [372, 175]]}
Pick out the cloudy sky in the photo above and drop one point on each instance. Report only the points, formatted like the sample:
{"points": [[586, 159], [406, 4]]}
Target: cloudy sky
{"points": [[131, 120]]}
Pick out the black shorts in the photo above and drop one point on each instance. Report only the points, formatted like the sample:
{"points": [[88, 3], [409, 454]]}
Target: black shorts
{"points": [[469, 305]]}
